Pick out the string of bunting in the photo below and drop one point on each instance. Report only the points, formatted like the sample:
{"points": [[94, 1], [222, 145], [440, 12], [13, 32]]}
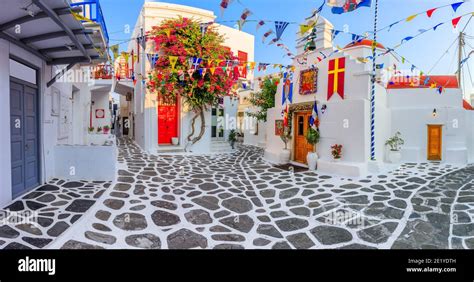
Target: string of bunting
{"points": [[429, 13]]}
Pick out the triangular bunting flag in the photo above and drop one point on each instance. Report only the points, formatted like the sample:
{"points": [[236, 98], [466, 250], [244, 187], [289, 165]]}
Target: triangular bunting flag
{"points": [[410, 18], [455, 21], [266, 34], [173, 60], [191, 72], [280, 28], [430, 12], [304, 28], [436, 26], [260, 24], [455, 6], [406, 39]]}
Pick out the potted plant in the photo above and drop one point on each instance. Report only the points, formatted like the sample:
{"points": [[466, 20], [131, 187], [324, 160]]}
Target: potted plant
{"points": [[175, 141], [90, 129], [395, 142], [336, 152], [99, 129], [106, 129], [313, 138], [232, 138], [285, 137]]}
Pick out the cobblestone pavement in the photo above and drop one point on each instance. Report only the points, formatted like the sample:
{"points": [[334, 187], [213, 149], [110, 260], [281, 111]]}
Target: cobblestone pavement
{"points": [[39, 217], [238, 200]]}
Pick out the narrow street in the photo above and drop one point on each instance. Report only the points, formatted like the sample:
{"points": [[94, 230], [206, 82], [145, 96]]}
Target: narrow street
{"points": [[237, 200]]}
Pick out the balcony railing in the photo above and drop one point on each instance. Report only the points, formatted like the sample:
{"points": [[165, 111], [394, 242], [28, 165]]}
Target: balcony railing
{"points": [[91, 9], [102, 72]]}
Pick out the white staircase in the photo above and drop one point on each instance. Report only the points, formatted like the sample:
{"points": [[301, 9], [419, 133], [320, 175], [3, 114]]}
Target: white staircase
{"points": [[221, 147]]}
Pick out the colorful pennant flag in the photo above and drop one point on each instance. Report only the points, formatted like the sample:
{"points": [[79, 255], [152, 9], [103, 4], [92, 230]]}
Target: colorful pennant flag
{"points": [[410, 18], [260, 24], [430, 12], [406, 39], [245, 14], [191, 72], [455, 6], [339, 7], [173, 60], [280, 28], [204, 27], [152, 58], [436, 26], [266, 34], [224, 5], [196, 62], [455, 21], [274, 40], [304, 28]]}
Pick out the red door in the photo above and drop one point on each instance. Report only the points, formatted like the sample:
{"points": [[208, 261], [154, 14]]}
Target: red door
{"points": [[167, 119]]}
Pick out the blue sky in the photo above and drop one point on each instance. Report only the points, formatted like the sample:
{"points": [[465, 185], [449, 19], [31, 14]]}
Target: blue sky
{"points": [[422, 51]]}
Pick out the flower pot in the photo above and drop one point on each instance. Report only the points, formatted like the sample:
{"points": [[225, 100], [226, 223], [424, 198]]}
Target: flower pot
{"points": [[336, 159], [285, 156], [394, 156], [175, 141], [312, 159]]}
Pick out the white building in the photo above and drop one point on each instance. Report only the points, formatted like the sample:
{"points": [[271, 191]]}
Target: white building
{"points": [[142, 114], [346, 118], [42, 110]]}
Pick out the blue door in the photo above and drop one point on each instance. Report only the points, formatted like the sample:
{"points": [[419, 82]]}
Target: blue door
{"points": [[24, 137]]}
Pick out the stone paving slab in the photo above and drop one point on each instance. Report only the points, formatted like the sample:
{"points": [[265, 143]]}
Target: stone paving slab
{"points": [[238, 200], [39, 217]]}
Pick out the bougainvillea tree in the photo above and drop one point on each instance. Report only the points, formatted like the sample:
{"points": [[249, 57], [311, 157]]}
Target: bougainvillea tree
{"points": [[204, 69]]}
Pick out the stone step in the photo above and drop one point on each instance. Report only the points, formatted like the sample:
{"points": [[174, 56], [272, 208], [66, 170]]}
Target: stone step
{"points": [[170, 149], [221, 147]]}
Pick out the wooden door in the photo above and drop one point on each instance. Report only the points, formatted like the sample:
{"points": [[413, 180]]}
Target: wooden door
{"points": [[167, 119], [24, 132], [435, 133], [301, 126]]}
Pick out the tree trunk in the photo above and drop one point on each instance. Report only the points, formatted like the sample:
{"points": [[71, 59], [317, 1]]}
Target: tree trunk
{"points": [[199, 113]]}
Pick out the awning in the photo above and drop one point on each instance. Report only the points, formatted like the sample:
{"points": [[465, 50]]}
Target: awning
{"points": [[124, 88], [48, 29]]}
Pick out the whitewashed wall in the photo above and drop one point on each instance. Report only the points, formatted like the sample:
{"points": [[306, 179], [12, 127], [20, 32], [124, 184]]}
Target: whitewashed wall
{"points": [[5, 146], [75, 116], [146, 119], [101, 101]]}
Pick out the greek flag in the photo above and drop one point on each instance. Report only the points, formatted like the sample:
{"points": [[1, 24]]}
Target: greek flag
{"points": [[314, 120]]}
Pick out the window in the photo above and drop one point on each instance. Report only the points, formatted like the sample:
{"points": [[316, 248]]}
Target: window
{"points": [[23, 72], [243, 57], [300, 125]]}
